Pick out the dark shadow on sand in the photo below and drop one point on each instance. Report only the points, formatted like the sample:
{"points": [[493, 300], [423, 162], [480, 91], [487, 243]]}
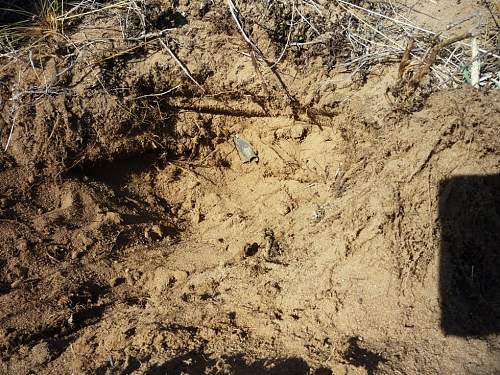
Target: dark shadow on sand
{"points": [[469, 214]]}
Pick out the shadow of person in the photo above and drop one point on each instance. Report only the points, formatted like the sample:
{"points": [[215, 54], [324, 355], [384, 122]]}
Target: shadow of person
{"points": [[469, 214]]}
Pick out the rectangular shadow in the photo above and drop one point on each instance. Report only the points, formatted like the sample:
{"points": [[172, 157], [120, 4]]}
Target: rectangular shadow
{"points": [[469, 278]]}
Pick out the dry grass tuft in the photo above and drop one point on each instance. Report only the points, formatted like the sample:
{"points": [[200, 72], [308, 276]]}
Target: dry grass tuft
{"points": [[28, 24]]}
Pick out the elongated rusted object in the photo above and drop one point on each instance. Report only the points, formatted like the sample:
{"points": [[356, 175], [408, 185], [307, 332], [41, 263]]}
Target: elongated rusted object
{"points": [[245, 150]]}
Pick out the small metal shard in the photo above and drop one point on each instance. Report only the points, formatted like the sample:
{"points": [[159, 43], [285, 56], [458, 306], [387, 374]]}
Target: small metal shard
{"points": [[245, 149]]}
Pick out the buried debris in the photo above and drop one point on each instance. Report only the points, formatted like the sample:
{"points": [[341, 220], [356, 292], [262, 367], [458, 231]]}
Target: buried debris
{"points": [[246, 151]]}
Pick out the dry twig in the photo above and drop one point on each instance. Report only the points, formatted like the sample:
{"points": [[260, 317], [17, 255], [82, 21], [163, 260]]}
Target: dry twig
{"points": [[181, 64]]}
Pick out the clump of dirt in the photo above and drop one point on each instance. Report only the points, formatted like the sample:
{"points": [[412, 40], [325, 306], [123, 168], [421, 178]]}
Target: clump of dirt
{"points": [[137, 240]]}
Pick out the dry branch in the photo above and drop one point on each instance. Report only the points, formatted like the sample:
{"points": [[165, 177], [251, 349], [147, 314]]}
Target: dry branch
{"points": [[181, 64]]}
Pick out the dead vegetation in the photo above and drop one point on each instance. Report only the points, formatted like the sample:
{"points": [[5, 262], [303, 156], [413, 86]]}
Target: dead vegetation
{"points": [[49, 52]]}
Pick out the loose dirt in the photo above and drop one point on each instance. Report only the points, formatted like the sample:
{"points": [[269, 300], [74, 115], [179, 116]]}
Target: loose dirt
{"points": [[135, 240]]}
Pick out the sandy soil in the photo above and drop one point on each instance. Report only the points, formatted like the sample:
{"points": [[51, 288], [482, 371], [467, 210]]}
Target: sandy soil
{"points": [[136, 240]]}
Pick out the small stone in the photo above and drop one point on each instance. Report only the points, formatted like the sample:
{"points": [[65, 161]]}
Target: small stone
{"points": [[283, 208], [4, 202], [298, 132], [318, 214], [113, 218], [22, 245], [154, 233], [15, 284], [196, 216], [84, 241]]}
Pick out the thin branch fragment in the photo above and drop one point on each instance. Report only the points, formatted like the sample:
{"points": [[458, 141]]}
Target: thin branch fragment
{"points": [[181, 64]]}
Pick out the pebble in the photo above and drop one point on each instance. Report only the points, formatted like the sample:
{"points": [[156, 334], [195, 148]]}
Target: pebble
{"points": [[154, 233], [16, 283], [4, 202], [298, 131], [22, 245], [283, 208]]}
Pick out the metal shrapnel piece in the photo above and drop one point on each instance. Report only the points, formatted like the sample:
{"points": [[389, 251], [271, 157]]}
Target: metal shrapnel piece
{"points": [[245, 150]]}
